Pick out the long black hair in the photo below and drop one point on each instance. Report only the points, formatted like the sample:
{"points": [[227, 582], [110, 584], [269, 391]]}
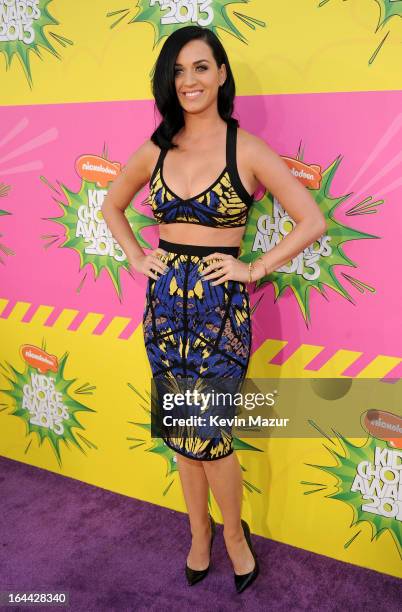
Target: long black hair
{"points": [[163, 83]]}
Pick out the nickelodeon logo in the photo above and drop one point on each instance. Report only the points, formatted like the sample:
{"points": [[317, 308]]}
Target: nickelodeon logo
{"points": [[310, 176], [39, 359], [95, 169], [384, 426]]}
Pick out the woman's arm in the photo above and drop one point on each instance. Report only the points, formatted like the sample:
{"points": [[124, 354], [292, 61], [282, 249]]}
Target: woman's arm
{"points": [[132, 178], [272, 172], [135, 174]]}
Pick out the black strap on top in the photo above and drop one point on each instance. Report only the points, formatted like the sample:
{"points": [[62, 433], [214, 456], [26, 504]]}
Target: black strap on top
{"points": [[231, 135], [158, 164], [231, 145]]}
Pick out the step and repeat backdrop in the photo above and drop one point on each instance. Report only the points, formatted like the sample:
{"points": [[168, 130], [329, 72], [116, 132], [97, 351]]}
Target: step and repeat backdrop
{"points": [[321, 83]]}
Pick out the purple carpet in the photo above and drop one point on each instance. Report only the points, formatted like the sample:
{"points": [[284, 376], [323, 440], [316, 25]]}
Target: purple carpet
{"points": [[111, 552]]}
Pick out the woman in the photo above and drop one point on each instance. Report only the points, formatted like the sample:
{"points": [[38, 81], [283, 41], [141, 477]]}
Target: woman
{"points": [[196, 317]]}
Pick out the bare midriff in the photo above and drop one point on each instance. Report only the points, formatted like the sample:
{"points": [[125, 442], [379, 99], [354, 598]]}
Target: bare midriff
{"points": [[201, 235]]}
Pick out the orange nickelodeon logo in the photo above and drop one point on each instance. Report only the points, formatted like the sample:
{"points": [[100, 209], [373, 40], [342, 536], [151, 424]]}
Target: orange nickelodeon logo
{"points": [[39, 359], [384, 426], [95, 169], [310, 176]]}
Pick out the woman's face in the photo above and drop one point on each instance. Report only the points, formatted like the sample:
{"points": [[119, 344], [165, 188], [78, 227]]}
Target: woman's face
{"points": [[197, 76]]}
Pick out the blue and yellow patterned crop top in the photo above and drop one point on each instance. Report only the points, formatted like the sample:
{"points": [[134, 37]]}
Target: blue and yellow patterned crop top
{"points": [[225, 203]]}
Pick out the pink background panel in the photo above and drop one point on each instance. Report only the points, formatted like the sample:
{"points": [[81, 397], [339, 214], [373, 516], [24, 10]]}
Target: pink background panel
{"points": [[365, 128]]}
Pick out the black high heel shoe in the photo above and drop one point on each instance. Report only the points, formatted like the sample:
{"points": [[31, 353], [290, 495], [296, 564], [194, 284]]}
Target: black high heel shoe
{"points": [[194, 576], [242, 581]]}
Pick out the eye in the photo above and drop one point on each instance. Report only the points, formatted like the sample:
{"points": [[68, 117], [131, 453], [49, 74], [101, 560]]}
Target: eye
{"points": [[202, 67]]}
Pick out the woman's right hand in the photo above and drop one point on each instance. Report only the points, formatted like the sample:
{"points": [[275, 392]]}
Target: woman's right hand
{"points": [[150, 263]]}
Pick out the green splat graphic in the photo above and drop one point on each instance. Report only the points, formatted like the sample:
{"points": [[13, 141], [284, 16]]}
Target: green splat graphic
{"points": [[382, 514], [388, 9], [166, 17], [315, 266], [92, 239], [51, 419], [20, 35]]}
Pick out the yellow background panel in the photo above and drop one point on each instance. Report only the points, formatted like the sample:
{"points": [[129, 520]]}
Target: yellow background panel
{"points": [[302, 48], [280, 504]]}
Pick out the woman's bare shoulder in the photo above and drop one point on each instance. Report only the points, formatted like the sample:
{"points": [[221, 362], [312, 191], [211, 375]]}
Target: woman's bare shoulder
{"points": [[256, 150], [144, 158], [250, 142], [249, 149], [149, 150]]}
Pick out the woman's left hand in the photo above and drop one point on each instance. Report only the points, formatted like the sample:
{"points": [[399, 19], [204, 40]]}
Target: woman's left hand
{"points": [[224, 267]]}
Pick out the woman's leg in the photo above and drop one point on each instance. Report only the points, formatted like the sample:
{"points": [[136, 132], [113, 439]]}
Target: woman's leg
{"points": [[195, 489], [225, 479]]}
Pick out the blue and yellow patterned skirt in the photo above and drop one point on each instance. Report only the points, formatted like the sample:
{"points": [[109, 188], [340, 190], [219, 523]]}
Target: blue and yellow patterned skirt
{"points": [[196, 331]]}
